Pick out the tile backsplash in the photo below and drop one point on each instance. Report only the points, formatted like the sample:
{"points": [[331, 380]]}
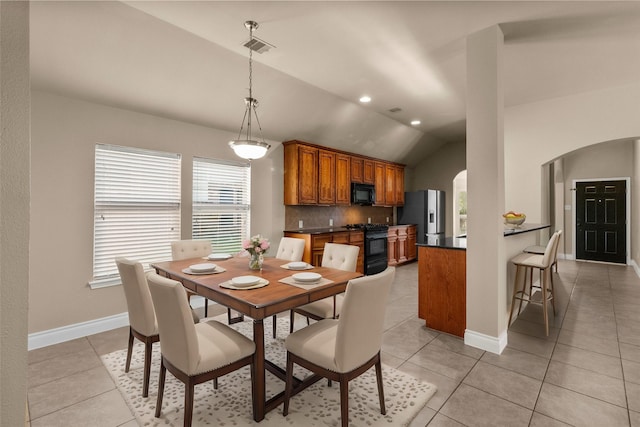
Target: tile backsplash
{"points": [[319, 216]]}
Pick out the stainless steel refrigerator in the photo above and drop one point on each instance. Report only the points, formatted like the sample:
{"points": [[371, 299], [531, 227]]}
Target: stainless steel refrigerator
{"points": [[426, 209]]}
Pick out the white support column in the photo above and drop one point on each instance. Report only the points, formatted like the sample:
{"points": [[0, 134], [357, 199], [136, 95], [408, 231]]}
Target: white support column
{"points": [[486, 263], [14, 209]]}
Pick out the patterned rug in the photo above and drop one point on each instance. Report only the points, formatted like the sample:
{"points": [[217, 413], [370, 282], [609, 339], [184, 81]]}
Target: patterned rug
{"points": [[230, 405]]}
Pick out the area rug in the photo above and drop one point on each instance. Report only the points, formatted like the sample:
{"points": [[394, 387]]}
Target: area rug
{"points": [[230, 404]]}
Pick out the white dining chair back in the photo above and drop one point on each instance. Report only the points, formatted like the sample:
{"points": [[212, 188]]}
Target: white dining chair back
{"points": [[185, 249], [142, 317], [340, 256], [290, 249]]}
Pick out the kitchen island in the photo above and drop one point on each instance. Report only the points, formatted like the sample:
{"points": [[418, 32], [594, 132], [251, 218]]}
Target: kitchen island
{"points": [[442, 276]]}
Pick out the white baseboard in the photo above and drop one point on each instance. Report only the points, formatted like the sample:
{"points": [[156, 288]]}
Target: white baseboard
{"points": [[486, 342], [83, 329], [635, 266]]}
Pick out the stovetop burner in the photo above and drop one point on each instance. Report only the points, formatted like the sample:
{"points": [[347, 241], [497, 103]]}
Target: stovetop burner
{"points": [[367, 227], [354, 226]]}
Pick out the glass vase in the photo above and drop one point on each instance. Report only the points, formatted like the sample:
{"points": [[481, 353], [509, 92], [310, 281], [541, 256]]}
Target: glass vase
{"points": [[255, 262]]}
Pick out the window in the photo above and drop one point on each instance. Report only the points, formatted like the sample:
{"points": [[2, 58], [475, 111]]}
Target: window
{"points": [[221, 206], [136, 208]]}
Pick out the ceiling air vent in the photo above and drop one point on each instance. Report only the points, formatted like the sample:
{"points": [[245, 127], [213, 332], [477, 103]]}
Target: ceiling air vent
{"points": [[395, 110], [257, 45]]}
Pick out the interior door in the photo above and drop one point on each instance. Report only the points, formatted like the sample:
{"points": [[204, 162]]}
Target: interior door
{"points": [[601, 221]]}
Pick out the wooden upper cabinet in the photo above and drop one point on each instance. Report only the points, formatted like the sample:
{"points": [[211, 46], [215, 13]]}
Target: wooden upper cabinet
{"points": [[390, 184], [343, 179], [399, 185], [369, 172], [357, 169], [300, 174], [379, 183], [326, 177]]}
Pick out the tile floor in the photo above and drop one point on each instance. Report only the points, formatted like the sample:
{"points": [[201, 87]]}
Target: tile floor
{"points": [[587, 372]]}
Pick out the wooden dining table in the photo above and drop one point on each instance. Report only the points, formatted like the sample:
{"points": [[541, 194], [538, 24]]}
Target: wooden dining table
{"points": [[258, 304]]}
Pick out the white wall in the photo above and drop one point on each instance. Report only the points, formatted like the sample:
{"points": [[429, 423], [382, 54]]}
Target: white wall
{"points": [[635, 206], [64, 134]]}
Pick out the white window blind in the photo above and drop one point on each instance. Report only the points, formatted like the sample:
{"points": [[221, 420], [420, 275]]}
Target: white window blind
{"points": [[136, 208], [221, 203]]}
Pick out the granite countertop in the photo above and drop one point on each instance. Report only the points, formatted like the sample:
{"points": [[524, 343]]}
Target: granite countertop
{"points": [[338, 229], [524, 228], [446, 243]]}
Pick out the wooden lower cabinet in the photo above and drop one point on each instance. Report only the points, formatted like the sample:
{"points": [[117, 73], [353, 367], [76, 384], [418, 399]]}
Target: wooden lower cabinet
{"points": [[401, 244], [442, 289], [314, 245]]}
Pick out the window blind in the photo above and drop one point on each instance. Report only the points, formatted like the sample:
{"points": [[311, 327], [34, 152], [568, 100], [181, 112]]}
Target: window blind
{"points": [[221, 203], [136, 208]]}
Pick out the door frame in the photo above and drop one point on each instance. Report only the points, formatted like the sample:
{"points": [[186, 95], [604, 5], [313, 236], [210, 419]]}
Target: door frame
{"points": [[627, 213]]}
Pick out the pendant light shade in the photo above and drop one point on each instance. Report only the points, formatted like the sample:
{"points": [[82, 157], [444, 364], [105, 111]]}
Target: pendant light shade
{"points": [[247, 147]]}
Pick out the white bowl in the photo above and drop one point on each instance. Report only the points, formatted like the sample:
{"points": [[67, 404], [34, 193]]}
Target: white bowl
{"points": [[245, 281], [306, 277], [219, 257], [202, 268], [297, 265]]}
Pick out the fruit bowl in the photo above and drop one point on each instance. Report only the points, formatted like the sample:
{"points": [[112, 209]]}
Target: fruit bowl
{"points": [[514, 219]]}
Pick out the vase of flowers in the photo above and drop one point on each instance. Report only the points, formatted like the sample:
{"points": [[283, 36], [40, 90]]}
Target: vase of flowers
{"points": [[257, 246]]}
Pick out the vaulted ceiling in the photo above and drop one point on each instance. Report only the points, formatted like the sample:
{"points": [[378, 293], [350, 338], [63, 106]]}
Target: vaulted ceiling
{"points": [[186, 61]]}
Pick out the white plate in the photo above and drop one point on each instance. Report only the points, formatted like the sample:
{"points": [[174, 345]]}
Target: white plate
{"points": [[244, 281], [306, 277], [202, 268], [297, 265], [219, 257]]}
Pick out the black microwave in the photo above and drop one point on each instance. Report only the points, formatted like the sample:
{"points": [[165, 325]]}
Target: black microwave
{"points": [[362, 194]]}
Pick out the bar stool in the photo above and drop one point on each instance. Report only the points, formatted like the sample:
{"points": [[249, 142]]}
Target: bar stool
{"points": [[539, 250], [525, 261]]}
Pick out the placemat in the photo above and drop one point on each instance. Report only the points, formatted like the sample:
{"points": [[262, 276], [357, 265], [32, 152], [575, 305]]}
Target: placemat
{"points": [[291, 281]]}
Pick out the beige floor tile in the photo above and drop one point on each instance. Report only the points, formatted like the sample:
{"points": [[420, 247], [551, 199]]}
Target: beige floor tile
{"points": [[534, 329], [596, 327], [406, 339], [596, 362], [633, 396], [69, 390], [474, 407], [443, 361], [442, 421], [631, 371], [132, 423], [457, 345], [57, 350], [400, 311], [630, 352], [391, 360], [589, 342], [423, 418], [577, 409], [530, 344], [59, 367], [589, 383], [106, 410], [629, 331], [110, 341], [445, 385], [506, 384], [539, 420], [519, 361], [635, 418]]}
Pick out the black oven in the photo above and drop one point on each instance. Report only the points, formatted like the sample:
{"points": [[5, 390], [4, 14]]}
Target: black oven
{"points": [[375, 248]]}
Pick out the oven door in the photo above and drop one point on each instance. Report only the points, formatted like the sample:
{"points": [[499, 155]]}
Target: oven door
{"points": [[375, 244]]}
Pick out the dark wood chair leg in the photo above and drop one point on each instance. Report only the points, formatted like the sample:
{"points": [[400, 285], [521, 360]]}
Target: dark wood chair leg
{"points": [[344, 400], [129, 351], [292, 317], [275, 326], [288, 384], [383, 410], [163, 373], [206, 307], [215, 383], [148, 346], [188, 403]]}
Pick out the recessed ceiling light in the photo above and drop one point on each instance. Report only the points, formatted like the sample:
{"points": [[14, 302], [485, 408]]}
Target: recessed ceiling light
{"points": [[365, 99], [415, 122]]}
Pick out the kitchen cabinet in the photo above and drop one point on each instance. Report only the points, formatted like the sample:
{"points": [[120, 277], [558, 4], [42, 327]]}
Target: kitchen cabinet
{"points": [[401, 244], [314, 244], [326, 177], [315, 175], [442, 289], [300, 175]]}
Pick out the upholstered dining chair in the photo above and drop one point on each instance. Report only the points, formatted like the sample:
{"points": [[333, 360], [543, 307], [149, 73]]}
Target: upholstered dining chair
{"points": [[342, 349], [289, 249], [185, 249], [335, 255], [142, 317], [193, 353]]}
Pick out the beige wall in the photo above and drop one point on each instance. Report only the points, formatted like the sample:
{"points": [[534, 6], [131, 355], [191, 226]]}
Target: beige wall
{"points": [[14, 209], [635, 206], [64, 134], [601, 161], [437, 172]]}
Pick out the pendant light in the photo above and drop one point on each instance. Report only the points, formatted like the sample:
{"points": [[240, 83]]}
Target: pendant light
{"points": [[249, 148]]}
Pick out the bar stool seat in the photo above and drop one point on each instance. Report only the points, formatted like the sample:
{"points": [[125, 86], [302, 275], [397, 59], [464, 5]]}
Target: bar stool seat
{"points": [[526, 262], [539, 250]]}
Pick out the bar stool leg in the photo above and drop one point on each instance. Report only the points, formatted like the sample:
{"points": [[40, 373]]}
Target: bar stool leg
{"points": [[516, 281], [524, 287], [544, 304]]}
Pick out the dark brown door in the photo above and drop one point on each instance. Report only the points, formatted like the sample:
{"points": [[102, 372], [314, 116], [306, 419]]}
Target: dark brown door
{"points": [[601, 233]]}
